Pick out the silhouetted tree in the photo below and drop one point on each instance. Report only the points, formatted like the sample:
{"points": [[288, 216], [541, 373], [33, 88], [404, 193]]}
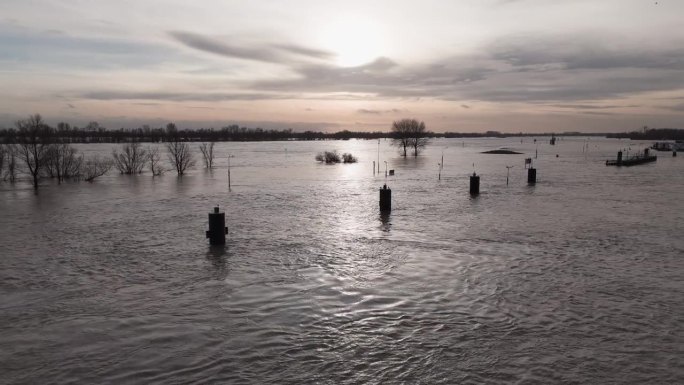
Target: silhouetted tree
{"points": [[11, 154], [3, 156], [180, 155], [171, 130], [33, 144], [94, 167], [62, 161], [418, 136], [131, 160], [207, 154], [401, 134], [154, 159]]}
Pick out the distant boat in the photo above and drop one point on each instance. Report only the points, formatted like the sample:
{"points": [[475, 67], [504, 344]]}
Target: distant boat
{"points": [[632, 160]]}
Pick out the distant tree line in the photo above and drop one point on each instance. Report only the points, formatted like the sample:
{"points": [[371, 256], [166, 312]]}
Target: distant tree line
{"points": [[93, 132], [38, 151], [651, 134]]}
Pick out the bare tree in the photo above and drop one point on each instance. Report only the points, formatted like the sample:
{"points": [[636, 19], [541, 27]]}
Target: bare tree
{"points": [[179, 152], [131, 159], [33, 145], [409, 133], [94, 167], [401, 134], [154, 158], [11, 173], [207, 154], [3, 156], [418, 137], [62, 162]]}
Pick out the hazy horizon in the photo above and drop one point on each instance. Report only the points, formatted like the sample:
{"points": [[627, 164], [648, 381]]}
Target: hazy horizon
{"points": [[471, 66]]}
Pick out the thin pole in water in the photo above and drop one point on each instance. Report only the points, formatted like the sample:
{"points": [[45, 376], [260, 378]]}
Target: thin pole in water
{"points": [[229, 156], [441, 166], [373, 168], [508, 172], [378, 156], [385, 169]]}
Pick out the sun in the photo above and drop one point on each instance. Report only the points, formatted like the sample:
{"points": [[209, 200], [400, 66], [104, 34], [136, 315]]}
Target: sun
{"points": [[353, 41]]}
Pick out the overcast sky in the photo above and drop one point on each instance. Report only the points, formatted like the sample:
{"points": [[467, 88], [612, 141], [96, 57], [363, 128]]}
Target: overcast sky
{"points": [[466, 65]]}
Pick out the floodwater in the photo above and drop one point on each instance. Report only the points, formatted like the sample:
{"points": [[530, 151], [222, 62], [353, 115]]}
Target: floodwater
{"points": [[579, 279]]}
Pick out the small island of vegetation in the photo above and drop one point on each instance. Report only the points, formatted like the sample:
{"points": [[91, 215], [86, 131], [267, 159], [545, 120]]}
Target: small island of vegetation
{"points": [[501, 151]]}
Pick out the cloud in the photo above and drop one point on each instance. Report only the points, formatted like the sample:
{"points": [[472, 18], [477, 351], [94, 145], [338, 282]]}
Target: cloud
{"points": [[582, 52], [522, 68], [56, 49], [381, 77], [379, 112], [264, 52], [593, 106], [676, 107], [179, 96]]}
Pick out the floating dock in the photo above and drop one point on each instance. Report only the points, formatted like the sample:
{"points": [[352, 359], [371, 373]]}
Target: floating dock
{"points": [[632, 161]]}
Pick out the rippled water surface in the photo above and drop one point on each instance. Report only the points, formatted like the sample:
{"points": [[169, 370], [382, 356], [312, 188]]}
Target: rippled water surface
{"points": [[579, 279]]}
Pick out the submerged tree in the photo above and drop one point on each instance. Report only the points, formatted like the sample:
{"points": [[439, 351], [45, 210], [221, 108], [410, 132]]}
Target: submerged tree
{"points": [[207, 154], [33, 144], [418, 137], [349, 158], [409, 133], [155, 161], [329, 157], [11, 154], [62, 162], [179, 152], [94, 167], [131, 160], [3, 155], [401, 134]]}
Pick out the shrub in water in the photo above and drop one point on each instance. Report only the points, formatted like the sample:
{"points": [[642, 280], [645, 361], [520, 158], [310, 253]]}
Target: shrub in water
{"points": [[328, 157], [349, 158]]}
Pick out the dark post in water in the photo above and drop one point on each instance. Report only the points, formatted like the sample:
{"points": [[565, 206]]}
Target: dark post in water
{"points": [[385, 199], [674, 153], [217, 228], [531, 175], [474, 184], [619, 159]]}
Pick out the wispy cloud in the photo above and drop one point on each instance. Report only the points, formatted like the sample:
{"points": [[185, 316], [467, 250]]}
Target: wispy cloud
{"points": [[522, 69], [260, 51], [179, 96], [380, 112]]}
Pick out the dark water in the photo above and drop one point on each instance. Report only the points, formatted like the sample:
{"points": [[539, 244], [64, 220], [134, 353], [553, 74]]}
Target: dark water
{"points": [[579, 279]]}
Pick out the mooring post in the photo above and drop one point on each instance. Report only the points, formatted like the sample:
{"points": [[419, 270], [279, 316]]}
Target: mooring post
{"points": [[385, 198], [474, 184], [531, 175], [619, 158], [674, 153], [217, 228]]}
